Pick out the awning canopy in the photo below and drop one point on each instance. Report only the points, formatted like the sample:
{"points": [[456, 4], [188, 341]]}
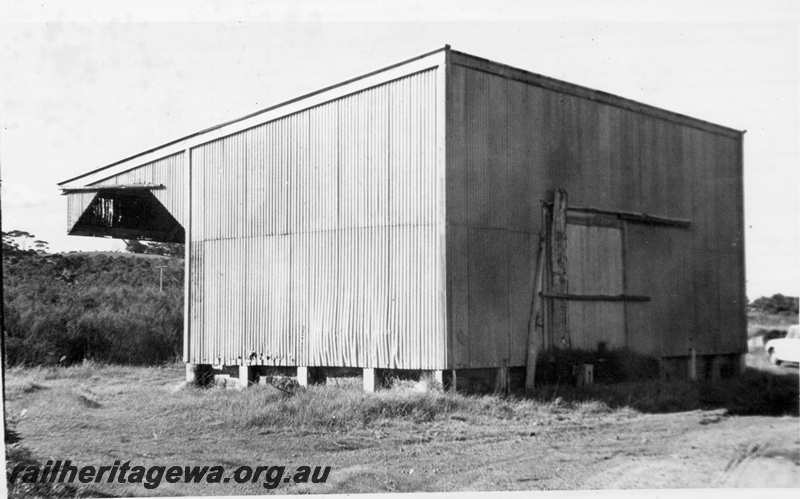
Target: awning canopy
{"points": [[128, 212]]}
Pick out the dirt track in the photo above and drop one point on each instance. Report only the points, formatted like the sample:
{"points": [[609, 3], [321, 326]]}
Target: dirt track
{"points": [[688, 450], [566, 450]]}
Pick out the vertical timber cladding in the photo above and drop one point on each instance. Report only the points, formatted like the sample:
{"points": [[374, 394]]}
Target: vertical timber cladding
{"points": [[317, 237], [514, 137]]}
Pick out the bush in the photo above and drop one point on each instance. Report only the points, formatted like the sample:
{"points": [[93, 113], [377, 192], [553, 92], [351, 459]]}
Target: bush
{"points": [[777, 304], [63, 309]]}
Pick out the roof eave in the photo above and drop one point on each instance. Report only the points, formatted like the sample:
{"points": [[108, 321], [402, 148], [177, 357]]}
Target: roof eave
{"points": [[392, 72]]}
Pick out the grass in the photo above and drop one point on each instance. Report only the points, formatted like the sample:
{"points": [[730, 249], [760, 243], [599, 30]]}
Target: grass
{"points": [[760, 320], [19, 455], [343, 406], [342, 403], [67, 397], [336, 409], [752, 393], [91, 411]]}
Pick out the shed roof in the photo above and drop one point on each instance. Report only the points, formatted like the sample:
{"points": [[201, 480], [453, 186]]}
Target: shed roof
{"points": [[438, 57]]}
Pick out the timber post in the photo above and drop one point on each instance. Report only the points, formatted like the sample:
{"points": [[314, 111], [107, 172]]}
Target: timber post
{"points": [[247, 376], [692, 364], [302, 376], [371, 382], [501, 382], [558, 276], [535, 322]]}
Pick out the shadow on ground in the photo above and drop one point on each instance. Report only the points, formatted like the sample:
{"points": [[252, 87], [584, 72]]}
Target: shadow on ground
{"points": [[755, 392]]}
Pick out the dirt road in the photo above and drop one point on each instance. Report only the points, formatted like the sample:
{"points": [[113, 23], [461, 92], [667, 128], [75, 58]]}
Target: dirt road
{"points": [[568, 447], [688, 450]]}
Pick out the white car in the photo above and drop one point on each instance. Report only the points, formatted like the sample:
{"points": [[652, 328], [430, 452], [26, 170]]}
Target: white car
{"points": [[785, 349]]}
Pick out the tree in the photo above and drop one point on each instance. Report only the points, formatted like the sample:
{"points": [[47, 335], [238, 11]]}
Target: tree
{"points": [[16, 241], [134, 246], [174, 250], [777, 304], [42, 247]]}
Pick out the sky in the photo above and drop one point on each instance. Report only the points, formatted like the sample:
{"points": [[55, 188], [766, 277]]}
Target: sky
{"points": [[86, 83]]}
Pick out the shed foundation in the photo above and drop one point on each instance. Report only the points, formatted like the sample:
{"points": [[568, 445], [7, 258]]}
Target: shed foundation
{"points": [[199, 374]]}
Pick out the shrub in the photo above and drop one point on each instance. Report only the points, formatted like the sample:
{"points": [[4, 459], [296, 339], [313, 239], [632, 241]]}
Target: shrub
{"points": [[777, 304], [63, 309]]}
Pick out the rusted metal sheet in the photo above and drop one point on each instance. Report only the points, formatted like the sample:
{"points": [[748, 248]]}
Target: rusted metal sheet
{"points": [[320, 235]]}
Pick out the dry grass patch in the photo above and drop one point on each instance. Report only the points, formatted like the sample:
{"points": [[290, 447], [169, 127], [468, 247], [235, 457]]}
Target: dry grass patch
{"points": [[89, 413]]}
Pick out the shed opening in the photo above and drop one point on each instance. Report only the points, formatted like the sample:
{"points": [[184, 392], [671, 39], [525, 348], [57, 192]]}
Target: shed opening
{"points": [[130, 213]]}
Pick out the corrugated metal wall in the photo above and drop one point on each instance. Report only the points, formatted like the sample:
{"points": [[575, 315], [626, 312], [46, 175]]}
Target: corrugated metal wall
{"points": [[510, 143], [169, 171], [316, 238], [594, 267], [77, 202]]}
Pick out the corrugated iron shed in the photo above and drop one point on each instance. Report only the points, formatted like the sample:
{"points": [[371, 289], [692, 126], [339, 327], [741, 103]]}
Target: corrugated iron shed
{"points": [[392, 221]]}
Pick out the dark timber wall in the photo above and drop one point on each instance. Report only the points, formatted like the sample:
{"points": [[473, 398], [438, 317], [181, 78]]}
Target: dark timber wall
{"points": [[514, 137]]}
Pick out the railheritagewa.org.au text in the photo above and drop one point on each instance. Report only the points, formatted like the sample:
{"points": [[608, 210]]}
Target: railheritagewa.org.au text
{"points": [[151, 477]]}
